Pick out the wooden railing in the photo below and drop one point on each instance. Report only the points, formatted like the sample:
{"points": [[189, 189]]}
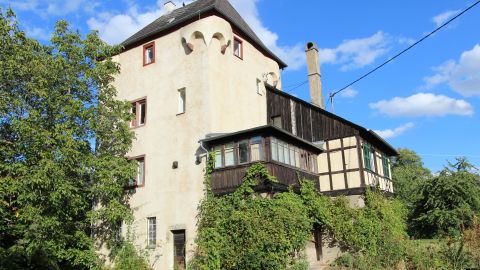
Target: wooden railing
{"points": [[226, 180]]}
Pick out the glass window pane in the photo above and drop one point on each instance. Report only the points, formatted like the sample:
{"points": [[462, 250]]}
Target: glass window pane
{"points": [[229, 157], [292, 155], [143, 112], [274, 147], [149, 55], [218, 157], [286, 153], [141, 172], [256, 148], [133, 110], [243, 151], [152, 231], [281, 153]]}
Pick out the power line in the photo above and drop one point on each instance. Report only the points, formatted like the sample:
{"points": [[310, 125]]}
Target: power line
{"points": [[403, 51], [295, 86]]}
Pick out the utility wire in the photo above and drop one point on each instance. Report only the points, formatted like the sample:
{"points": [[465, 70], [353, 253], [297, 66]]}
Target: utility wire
{"points": [[405, 50]]}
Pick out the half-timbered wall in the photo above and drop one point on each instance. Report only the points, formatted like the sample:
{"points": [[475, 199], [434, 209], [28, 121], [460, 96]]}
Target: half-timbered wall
{"points": [[339, 165]]}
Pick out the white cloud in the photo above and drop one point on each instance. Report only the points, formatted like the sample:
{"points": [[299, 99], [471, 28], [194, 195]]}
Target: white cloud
{"points": [[462, 76], [294, 55], [115, 28], [390, 133], [38, 33], [46, 8], [349, 93], [443, 17], [356, 53], [423, 104]]}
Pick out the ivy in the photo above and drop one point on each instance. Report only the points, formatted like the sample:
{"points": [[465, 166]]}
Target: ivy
{"points": [[247, 230]]}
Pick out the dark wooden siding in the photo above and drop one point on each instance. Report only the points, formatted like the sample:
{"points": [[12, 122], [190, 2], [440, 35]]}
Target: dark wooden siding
{"points": [[228, 179], [311, 123]]}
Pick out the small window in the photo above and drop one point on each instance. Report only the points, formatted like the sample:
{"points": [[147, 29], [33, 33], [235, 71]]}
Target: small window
{"points": [[238, 48], [139, 179], [385, 163], [182, 101], [277, 121], [367, 157], [259, 87], [149, 54], [151, 232], [139, 112], [243, 151]]}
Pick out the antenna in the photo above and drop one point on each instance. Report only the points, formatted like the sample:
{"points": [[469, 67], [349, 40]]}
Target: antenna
{"points": [[331, 95]]}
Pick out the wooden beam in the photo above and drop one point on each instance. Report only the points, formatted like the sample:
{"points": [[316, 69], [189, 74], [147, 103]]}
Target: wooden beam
{"points": [[329, 166], [343, 164], [360, 160]]}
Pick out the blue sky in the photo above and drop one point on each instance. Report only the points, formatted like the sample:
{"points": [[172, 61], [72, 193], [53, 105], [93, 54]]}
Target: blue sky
{"points": [[426, 100]]}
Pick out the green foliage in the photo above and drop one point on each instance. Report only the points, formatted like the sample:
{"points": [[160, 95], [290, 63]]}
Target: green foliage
{"points": [[63, 138], [448, 202], [245, 230], [408, 174], [129, 258]]}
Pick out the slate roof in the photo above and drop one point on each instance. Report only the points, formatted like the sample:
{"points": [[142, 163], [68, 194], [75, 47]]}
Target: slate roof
{"points": [[195, 9]]}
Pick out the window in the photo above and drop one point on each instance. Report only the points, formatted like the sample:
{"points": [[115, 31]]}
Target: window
{"points": [[256, 150], [243, 151], [293, 156], [274, 148], [179, 249], [151, 231], [385, 163], [218, 156], [139, 179], [238, 48], [139, 112], [181, 101], [277, 121], [368, 157], [149, 54], [229, 154], [259, 87]]}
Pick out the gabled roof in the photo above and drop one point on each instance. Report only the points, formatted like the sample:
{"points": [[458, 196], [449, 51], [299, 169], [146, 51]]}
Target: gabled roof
{"points": [[367, 134], [195, 10]]}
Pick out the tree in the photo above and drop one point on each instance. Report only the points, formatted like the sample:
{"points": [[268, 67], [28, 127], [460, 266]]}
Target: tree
{"points": [[448, 202], [63, 140], [408, 174]]}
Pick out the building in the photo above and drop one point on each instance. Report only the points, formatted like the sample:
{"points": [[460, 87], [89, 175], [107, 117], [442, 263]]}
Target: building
{"points": [[200, 79]]}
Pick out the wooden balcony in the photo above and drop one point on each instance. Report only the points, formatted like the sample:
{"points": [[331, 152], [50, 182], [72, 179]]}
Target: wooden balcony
{"points": [[226, 180]]}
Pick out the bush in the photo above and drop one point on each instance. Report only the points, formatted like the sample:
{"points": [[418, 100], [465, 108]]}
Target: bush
{"points": [[128, 258]]}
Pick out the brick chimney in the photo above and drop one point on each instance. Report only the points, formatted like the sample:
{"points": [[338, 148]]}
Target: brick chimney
{"points": [[314, 77], [169, 6]]}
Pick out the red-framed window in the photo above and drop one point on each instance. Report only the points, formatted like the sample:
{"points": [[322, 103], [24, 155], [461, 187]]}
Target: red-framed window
{"points": [[238, 47], [139, 179], [149, 53], [139, 112]]}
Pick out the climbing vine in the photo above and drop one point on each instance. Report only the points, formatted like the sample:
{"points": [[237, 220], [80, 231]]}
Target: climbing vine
{"points": [[245, 230]]}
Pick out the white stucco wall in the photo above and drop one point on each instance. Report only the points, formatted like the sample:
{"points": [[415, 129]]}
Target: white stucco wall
{"points": [[221, 96]]}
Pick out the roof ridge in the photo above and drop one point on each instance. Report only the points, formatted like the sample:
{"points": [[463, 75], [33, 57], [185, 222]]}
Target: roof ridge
{"points": [[188, 12]]}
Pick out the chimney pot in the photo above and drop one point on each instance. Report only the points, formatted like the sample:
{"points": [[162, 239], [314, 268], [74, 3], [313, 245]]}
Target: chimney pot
{"points": [[314, 76], [169, 6]]}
